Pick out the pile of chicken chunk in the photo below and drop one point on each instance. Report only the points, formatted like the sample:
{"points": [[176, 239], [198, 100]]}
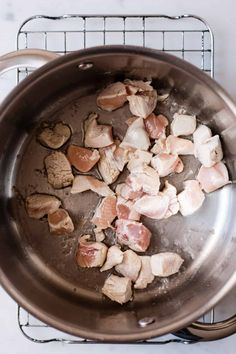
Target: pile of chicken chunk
{"points": [[148, 153]]}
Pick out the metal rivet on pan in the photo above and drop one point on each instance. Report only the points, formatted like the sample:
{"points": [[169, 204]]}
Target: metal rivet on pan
{"points": [[85, 66], [146, 321]]}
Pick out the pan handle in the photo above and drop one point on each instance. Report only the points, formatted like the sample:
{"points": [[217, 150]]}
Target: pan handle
{"points": [[198, 331], [30, 58]]}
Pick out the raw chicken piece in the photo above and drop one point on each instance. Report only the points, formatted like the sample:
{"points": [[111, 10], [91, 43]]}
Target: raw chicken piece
{"points": [[84, 183], [162, 97], [210, 152], [134, 86], [191, 198], [143, 104], [137, 158], [99, 235], [125, 209], [107, 164], [136, 136], [54, 136], [114, 257], [155, 125], [179, 146], [171, 192], [165, 264], [201, 134], [144, 178], [165, 164], [39, 205], [60, 222], [126, 192], [90, 254], [58, 170], [121, 157], [81, 158], [130, 265], [213, 178], [97, 135], [133, 234], [145, 276], [154, 207], [112, 97], [160, 146], [183, 124], [117, 289], [105, 213]]}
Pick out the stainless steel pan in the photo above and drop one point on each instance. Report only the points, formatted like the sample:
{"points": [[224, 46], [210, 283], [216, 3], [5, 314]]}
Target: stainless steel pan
{"points": [[39, 270]]}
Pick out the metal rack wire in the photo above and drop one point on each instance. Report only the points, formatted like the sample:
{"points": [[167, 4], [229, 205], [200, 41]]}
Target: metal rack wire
{"points": [[188, 37]]}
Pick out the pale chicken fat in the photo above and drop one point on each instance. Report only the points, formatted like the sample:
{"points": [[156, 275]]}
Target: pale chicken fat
{"points": [[191, 198], [145, 179], [183, 124], [84, 183], [171, 192], [112, 97], [107, 164], [60, 222], [213, 178], [165, 264], [136, 136], [39, 205], [97, 135], [91, 254], [143, 104], [59, 170], [114, 257], [154, 207], [145, 275], [133, 234], [179, 146], [155, 125], [118, 289], [125, 209], [201, 134], [130, 265], [105, 213], [210, 152], [165, 164]]}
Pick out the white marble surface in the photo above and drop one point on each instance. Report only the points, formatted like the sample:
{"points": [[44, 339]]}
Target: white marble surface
{"points": [[221, 16]]}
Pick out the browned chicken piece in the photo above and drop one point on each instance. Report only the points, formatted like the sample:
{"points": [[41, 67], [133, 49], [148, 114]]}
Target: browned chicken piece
{"points": [[107, 164], [60, 222], [112, 97], [117, 289], [84, 183], [82, 159], [39, 205], [145, 275], [90, 254], [58, 170], [130, 265], [97, 135], [54, 136], [165, 264], [114, 257], [135, 86], [143, 104], [99, 235], [105, 213]]}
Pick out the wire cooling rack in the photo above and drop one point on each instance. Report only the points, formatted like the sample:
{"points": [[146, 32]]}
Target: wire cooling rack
{"points": [[188, 37]]}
